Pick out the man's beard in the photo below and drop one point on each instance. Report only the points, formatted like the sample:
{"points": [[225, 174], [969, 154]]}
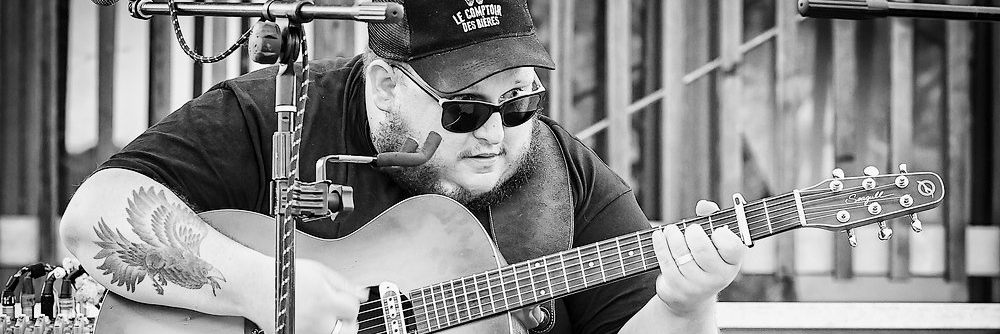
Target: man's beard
{"points": [[426, 178]]}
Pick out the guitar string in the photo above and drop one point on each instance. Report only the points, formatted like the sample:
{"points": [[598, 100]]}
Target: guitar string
{"points": [[453, 313], [527, 270], [527, 267]]}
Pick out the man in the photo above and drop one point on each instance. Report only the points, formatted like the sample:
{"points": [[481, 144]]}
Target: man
{"points": [[462, 69]]}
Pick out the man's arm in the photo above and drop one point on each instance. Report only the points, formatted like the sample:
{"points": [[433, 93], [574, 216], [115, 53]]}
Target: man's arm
{"points": [[144, 243]]}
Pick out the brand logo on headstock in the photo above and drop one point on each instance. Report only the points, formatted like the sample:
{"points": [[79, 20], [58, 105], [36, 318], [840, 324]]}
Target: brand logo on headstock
{"points": [[926, 188], [855, 199]]}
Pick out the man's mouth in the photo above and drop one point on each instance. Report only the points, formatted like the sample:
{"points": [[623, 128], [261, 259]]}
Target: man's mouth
{"points": [[484, 155]]}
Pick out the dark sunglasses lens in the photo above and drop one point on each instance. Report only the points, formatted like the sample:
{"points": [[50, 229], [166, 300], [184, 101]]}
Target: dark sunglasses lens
{"points": [[516, 112], [464, 116]]}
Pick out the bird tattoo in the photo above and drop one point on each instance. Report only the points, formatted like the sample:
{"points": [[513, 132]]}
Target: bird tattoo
{"points": [[168, 252]]}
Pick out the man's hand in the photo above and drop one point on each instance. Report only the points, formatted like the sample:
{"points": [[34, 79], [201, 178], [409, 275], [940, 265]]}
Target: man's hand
{"points": [[322, 298], [694, 268]]}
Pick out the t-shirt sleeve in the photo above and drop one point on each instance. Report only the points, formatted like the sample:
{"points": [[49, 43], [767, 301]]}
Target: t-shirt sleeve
{"points": [[605, 208], [203, 152]]}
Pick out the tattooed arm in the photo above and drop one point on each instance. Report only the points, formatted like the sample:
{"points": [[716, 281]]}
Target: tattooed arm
{"points": [[142, 242]]}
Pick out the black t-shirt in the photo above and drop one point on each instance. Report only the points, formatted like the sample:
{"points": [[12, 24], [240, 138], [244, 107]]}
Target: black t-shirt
{"points": [[215, 152]]}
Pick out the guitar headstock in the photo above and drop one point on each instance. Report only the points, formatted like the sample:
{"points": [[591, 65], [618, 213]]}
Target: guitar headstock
{"points": [[843, 203]]}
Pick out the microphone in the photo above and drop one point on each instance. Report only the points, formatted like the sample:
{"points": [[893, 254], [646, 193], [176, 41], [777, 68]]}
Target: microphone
{"points": [[105, 2]]}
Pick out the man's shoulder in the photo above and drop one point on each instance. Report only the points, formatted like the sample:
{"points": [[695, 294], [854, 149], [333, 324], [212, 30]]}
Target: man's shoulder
{"points": [[320, 70]]}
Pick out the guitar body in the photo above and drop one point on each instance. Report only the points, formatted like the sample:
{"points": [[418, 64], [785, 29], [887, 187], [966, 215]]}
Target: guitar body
{"points": [[419, 242]]}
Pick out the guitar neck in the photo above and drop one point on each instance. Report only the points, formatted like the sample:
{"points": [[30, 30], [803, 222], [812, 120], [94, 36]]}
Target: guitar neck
{"points": [[515, 286]]}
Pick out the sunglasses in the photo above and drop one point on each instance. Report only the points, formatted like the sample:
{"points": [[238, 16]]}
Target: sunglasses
{"points": [[462, 116]]}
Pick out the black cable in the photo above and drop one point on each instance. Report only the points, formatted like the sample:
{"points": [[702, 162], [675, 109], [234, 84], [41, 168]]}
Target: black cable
{"points": [[194, 55]]}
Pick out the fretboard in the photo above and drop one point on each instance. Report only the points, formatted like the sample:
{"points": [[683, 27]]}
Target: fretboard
{"points": [[515, 286]]}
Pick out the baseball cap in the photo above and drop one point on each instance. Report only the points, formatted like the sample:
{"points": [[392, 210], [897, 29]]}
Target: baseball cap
{"points": [[453, 44]]}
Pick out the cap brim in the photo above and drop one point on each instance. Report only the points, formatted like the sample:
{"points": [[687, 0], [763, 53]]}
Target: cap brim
{"points": [[455, 70]]}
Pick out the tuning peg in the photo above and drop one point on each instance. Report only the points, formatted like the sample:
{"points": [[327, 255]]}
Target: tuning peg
{"points": [[851, 238], [902, 169], [838, 173], [915, 223], [884, 232], [871, 171]]}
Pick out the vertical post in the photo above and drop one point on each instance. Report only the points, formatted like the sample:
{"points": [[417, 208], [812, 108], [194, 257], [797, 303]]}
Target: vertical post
{"points": [[619, 89], [561, 102], [844, 86], [958, 210], [161, 39], [729, 92], [901, 131], [672, 114], [105, 81], [13, 110], [649, 141], [995, 83]]}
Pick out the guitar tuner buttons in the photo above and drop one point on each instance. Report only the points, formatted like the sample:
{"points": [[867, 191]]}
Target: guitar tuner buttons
{"points": [[884, 232], [871, 171], [837, 173], [869, 183], [843, 216], [902, 181], [906, 201], [836, 185], [874, 208]]}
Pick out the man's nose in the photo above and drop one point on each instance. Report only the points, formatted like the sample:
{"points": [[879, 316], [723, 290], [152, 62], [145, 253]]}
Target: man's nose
{"points": [[491, 131]]}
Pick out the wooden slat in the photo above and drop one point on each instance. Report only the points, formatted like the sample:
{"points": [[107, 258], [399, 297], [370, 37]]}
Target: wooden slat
{"points": [[105, 82], [729, 93], [849, 148], [54, 20], [672, 111], [161, 41], [561, 45], [995, 218], [618, 86], [958, 48], [334, 38], [901, 130], [31, 128], [649, 144], [789, 98], [13, 111]]}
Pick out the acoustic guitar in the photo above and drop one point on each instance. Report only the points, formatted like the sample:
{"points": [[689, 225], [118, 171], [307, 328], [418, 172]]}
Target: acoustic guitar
{"points": [[438, 270]]}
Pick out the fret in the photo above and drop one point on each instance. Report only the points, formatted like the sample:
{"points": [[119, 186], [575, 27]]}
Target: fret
{"points": [[647, 248], [540, 285], [479, 297], [642, 254], [423, 307], [507, 285], [621, 256], [631, 257], [711, 225], [451, 305], [555, 274], [565, 275], [441, 307], [574, 275], [767, 216], [591, 264], [463, 298], [497, 283], [522, 276]]}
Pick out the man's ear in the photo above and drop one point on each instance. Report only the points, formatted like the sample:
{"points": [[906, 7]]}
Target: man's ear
{"points": [[383, 81]]}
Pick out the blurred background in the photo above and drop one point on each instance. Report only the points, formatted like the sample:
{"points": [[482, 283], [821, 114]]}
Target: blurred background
{"points": [[684, 99]]}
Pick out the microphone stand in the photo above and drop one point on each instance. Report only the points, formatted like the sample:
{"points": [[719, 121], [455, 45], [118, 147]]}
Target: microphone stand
{"points": [[289, 206], [867, 9]]}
